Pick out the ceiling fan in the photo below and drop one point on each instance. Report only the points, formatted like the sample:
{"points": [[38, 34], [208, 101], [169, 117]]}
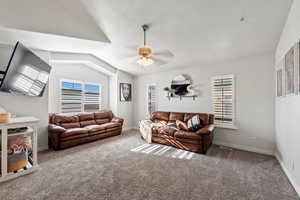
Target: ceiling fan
{"points": [[145, 56]]}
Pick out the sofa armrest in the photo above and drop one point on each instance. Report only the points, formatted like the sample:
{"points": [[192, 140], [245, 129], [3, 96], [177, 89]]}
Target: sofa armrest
{"points": [[118, 120], [206, 130], [52, 128]]}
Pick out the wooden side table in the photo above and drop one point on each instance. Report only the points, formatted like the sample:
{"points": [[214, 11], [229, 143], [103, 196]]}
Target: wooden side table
{"points": [[18, 122]]}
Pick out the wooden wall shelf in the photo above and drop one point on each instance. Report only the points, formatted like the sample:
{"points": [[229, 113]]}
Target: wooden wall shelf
{"points": [[180, 97]]}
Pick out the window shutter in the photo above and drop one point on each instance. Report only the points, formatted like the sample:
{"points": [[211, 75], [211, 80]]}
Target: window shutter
{"points": [[151, 98], [92, 97], [71, 96], [223, 100]]}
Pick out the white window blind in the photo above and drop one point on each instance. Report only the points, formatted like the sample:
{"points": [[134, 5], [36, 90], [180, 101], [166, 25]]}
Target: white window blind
{"points": [[223, 100], [92, 97], [151, 97], [78, 96], [71, 96]]}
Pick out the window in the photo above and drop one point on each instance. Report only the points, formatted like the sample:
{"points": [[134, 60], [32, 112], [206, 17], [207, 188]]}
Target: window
{"points": [[92, 97], [77, 96], [151, 98], [223, 101]]}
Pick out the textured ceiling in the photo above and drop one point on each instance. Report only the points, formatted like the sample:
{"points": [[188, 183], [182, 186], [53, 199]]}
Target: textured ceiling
{"points": [[196, 31]]}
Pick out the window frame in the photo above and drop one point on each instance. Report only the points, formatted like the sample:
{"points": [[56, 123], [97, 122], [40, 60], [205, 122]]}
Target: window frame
{"points": [[147, 97], [82, 92], [232, 77]]}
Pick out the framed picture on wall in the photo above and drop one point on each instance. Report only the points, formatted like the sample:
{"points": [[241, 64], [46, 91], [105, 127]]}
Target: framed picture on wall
{"points": [[125, 92], [290, 72]]}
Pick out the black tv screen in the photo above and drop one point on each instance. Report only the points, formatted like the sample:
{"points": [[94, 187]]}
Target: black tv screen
{"points": [[26, 73]]}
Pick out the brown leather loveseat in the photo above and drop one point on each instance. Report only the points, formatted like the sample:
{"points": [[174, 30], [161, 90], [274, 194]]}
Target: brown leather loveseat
{"points": [[66, 130], [198, 141]]}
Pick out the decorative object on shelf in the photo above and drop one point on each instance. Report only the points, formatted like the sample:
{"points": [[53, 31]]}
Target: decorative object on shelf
{"points": [[181, 87], [168, 91], [125, 92]]}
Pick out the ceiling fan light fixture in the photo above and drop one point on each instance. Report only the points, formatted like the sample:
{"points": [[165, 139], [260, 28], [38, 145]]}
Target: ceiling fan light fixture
{"points": [[145, 61]]}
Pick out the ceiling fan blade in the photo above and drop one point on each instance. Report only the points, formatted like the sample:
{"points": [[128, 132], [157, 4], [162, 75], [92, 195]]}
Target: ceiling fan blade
{"points": [[163, 53], [157, 61]]}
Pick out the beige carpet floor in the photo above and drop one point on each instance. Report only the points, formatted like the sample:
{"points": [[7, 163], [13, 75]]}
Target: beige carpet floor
{"points": [[114, 168]]}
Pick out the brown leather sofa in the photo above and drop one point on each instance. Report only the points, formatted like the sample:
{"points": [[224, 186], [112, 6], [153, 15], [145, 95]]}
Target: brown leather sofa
{"points": [[66, 130], [198, 141]]}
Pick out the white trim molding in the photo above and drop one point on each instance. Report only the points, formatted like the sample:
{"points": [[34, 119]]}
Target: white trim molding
{"points": [[245, 148], [288, 174]]}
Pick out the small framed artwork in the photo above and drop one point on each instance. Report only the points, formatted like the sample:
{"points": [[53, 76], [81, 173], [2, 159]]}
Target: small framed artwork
{"points": [[125, 92], [279, 82], [290, 72]]}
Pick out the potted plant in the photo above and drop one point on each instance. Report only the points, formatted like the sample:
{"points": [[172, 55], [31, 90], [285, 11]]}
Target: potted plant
{"points": [[168, 91]]}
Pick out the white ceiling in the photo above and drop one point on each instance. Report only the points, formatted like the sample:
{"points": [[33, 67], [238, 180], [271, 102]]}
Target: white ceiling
{"points": [[197, 32]]}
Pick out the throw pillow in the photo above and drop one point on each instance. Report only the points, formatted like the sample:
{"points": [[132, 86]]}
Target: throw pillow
{"points": [[194, 123], [181, 125]]}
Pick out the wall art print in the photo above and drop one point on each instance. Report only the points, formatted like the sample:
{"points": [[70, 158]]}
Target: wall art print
{"points": [[125, 92]]}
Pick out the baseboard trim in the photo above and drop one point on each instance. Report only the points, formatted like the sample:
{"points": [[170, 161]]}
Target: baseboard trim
{"points": [[43, 148], [245, 148], [128, 128], [288, 174]]}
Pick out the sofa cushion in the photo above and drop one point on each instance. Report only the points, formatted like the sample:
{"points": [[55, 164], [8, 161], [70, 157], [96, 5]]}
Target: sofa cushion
{"points": [[70, 125], [87, 123], [181, 125], [111, 125], [195, 123], [187, 134], [94, 128], [102, 121], [176, 116], [204, 117], [86, 116], [103, 114], [166, 131], [64, 118], [74, 131], [160, 116]]}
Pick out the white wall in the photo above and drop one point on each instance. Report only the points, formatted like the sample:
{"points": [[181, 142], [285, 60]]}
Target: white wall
{"points": [[254, 99], [79, 72], [125, 109], [287, 110], [27, 106]]}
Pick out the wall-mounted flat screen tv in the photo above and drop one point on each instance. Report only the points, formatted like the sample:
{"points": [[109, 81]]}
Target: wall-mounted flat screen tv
{"points": [[26, 73]]}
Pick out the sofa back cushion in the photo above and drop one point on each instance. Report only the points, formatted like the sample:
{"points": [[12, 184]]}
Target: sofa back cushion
{"points": [[86, 116], [59, 119], [160, 116], [77, 120], [104, 114], [176, 116]]}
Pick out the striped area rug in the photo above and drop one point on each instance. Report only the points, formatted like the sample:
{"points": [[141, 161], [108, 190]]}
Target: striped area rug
{"points": [[162, 150]]}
